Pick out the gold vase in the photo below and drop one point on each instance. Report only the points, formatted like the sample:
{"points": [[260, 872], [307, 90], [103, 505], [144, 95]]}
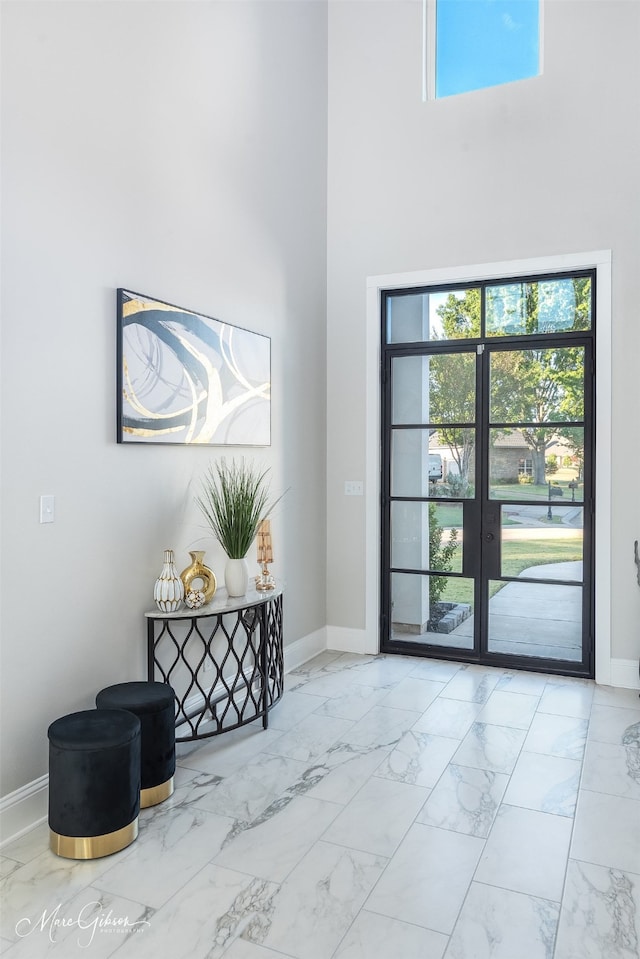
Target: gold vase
{"points": [[197, 571]]}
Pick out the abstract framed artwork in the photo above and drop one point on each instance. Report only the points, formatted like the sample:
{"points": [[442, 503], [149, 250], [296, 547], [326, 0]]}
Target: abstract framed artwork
{"points": [[186, 379]]}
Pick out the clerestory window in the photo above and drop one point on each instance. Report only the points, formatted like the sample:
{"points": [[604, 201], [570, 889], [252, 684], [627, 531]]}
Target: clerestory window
{"points": [[472, 44]]}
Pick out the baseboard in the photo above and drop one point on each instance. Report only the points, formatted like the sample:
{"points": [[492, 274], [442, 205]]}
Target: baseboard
{"points": [[624, 672], [348, 640], [23, 809], [304, 649]]}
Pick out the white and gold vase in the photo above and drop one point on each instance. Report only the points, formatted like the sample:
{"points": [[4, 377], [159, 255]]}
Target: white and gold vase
{"points": [[169, 589]]}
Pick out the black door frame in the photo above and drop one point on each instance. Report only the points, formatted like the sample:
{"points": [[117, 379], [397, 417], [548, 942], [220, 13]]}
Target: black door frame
{"points": [[475, 511]]}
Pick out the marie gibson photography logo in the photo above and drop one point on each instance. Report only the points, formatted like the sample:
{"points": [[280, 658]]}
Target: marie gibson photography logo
{"points": [[90, 920]]}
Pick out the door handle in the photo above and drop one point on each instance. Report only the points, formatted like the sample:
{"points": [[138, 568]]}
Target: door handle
{"points": [[489, 537]]}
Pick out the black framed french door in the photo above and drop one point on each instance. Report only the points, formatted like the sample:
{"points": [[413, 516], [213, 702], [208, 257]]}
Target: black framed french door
{"points": [[487, 472]]}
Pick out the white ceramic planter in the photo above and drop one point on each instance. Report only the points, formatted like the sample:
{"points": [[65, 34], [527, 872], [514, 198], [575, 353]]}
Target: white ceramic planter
{"points": [[236, 577]]}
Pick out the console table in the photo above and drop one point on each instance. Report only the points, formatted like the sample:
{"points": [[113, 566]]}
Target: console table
{"points": [[224, 661]]}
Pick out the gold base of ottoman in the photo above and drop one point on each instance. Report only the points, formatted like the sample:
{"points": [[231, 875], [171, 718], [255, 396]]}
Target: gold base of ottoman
{"points": [[93, 847], [156, 794]]}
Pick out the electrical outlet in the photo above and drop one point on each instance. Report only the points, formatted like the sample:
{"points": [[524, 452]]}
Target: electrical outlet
{"points": [[353, 488]]}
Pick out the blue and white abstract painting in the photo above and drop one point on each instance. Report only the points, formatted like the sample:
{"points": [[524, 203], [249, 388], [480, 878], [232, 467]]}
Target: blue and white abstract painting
{"points": [[186, 378]]}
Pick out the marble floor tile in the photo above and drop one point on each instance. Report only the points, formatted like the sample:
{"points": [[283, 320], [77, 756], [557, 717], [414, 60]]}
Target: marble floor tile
{"points": [[436, 670], [327, 684], [451, 718], [472, 685], [567, 699], [312, 736], [28, 846], [500, 924], [314, 908], [325, 660], [291, 709], [272, 846], [518, 681], [606, 831], [382, 671], [465, 800], [613, 769], [526, 852], [600, 917], [361, 825], [415, 887], [395, 808], [7, 866], [562, 736], [342, 771], [92, 923], [419, 759], [223, 755], [509, 709], [353, 704], [615, 696], [42, 884], [413, 693], [242, 949], [381, 726], [246, 793], [171, 848], [205, 917], [612, 724], [344, 661], [379, 937], [547, 783], [490, 747]]}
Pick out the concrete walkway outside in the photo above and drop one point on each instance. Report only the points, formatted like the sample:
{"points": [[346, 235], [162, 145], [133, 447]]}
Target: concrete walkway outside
{"points": [[529, 619]]}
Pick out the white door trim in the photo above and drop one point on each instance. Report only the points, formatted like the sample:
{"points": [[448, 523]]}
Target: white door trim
{"points": [[601, 261]]}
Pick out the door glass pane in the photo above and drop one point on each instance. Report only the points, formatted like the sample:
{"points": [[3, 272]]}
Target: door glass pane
{"points": [[439, 315], [539, 306], [434, 610], [539, 548], [426, 536], [434, 389], [544, 464], [438, 463], [537, 386], [535, 619]]}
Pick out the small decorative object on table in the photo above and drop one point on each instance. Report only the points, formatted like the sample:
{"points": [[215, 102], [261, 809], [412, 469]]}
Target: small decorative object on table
{"points": [[265, 580], [169, 589], [198, 571], [194, 598], [234, 501]]}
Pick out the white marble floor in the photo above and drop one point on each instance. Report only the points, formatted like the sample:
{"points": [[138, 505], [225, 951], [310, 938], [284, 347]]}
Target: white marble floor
{"points": [[396, 808]]}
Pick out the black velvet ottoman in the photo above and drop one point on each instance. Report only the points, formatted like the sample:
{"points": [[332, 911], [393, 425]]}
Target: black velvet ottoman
{"points": [[94, 783], [154, 705]]}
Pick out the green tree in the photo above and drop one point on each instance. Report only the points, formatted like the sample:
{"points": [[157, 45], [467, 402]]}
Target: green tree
{"points": [[541, 389]]}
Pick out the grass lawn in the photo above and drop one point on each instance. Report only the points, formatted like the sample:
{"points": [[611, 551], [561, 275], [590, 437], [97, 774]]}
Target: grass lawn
{"points": [[518, 555]]}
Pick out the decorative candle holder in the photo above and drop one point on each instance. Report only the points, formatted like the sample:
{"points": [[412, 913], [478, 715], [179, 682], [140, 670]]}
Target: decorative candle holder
{"points": [[265, 580]]}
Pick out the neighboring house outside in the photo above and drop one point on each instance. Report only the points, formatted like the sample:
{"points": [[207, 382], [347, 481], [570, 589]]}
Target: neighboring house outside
{"points": [[510, 457]]}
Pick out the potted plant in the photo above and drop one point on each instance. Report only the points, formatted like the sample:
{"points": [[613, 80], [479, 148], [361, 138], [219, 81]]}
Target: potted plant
{"points": [[234, 501]]}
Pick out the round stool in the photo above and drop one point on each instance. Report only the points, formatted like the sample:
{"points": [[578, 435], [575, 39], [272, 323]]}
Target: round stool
{"points": [[94, 783], [154, 705]]}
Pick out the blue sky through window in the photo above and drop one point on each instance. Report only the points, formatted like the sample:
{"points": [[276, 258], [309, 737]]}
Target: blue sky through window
{"points": [[482, 43]]}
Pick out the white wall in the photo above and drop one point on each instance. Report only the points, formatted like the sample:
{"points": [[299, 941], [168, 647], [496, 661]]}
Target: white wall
{"points": [[177, 149], [543, 167]]}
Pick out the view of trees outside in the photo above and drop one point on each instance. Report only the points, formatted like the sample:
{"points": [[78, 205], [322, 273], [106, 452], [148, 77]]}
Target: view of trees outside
{"points": [[541, 388]]}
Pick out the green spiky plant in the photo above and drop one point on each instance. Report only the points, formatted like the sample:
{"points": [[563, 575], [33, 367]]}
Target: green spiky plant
{"points": [[234, 501]]}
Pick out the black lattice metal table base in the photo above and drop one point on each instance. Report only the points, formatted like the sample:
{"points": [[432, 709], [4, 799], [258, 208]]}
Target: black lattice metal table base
{"points": [[224, 661]]}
